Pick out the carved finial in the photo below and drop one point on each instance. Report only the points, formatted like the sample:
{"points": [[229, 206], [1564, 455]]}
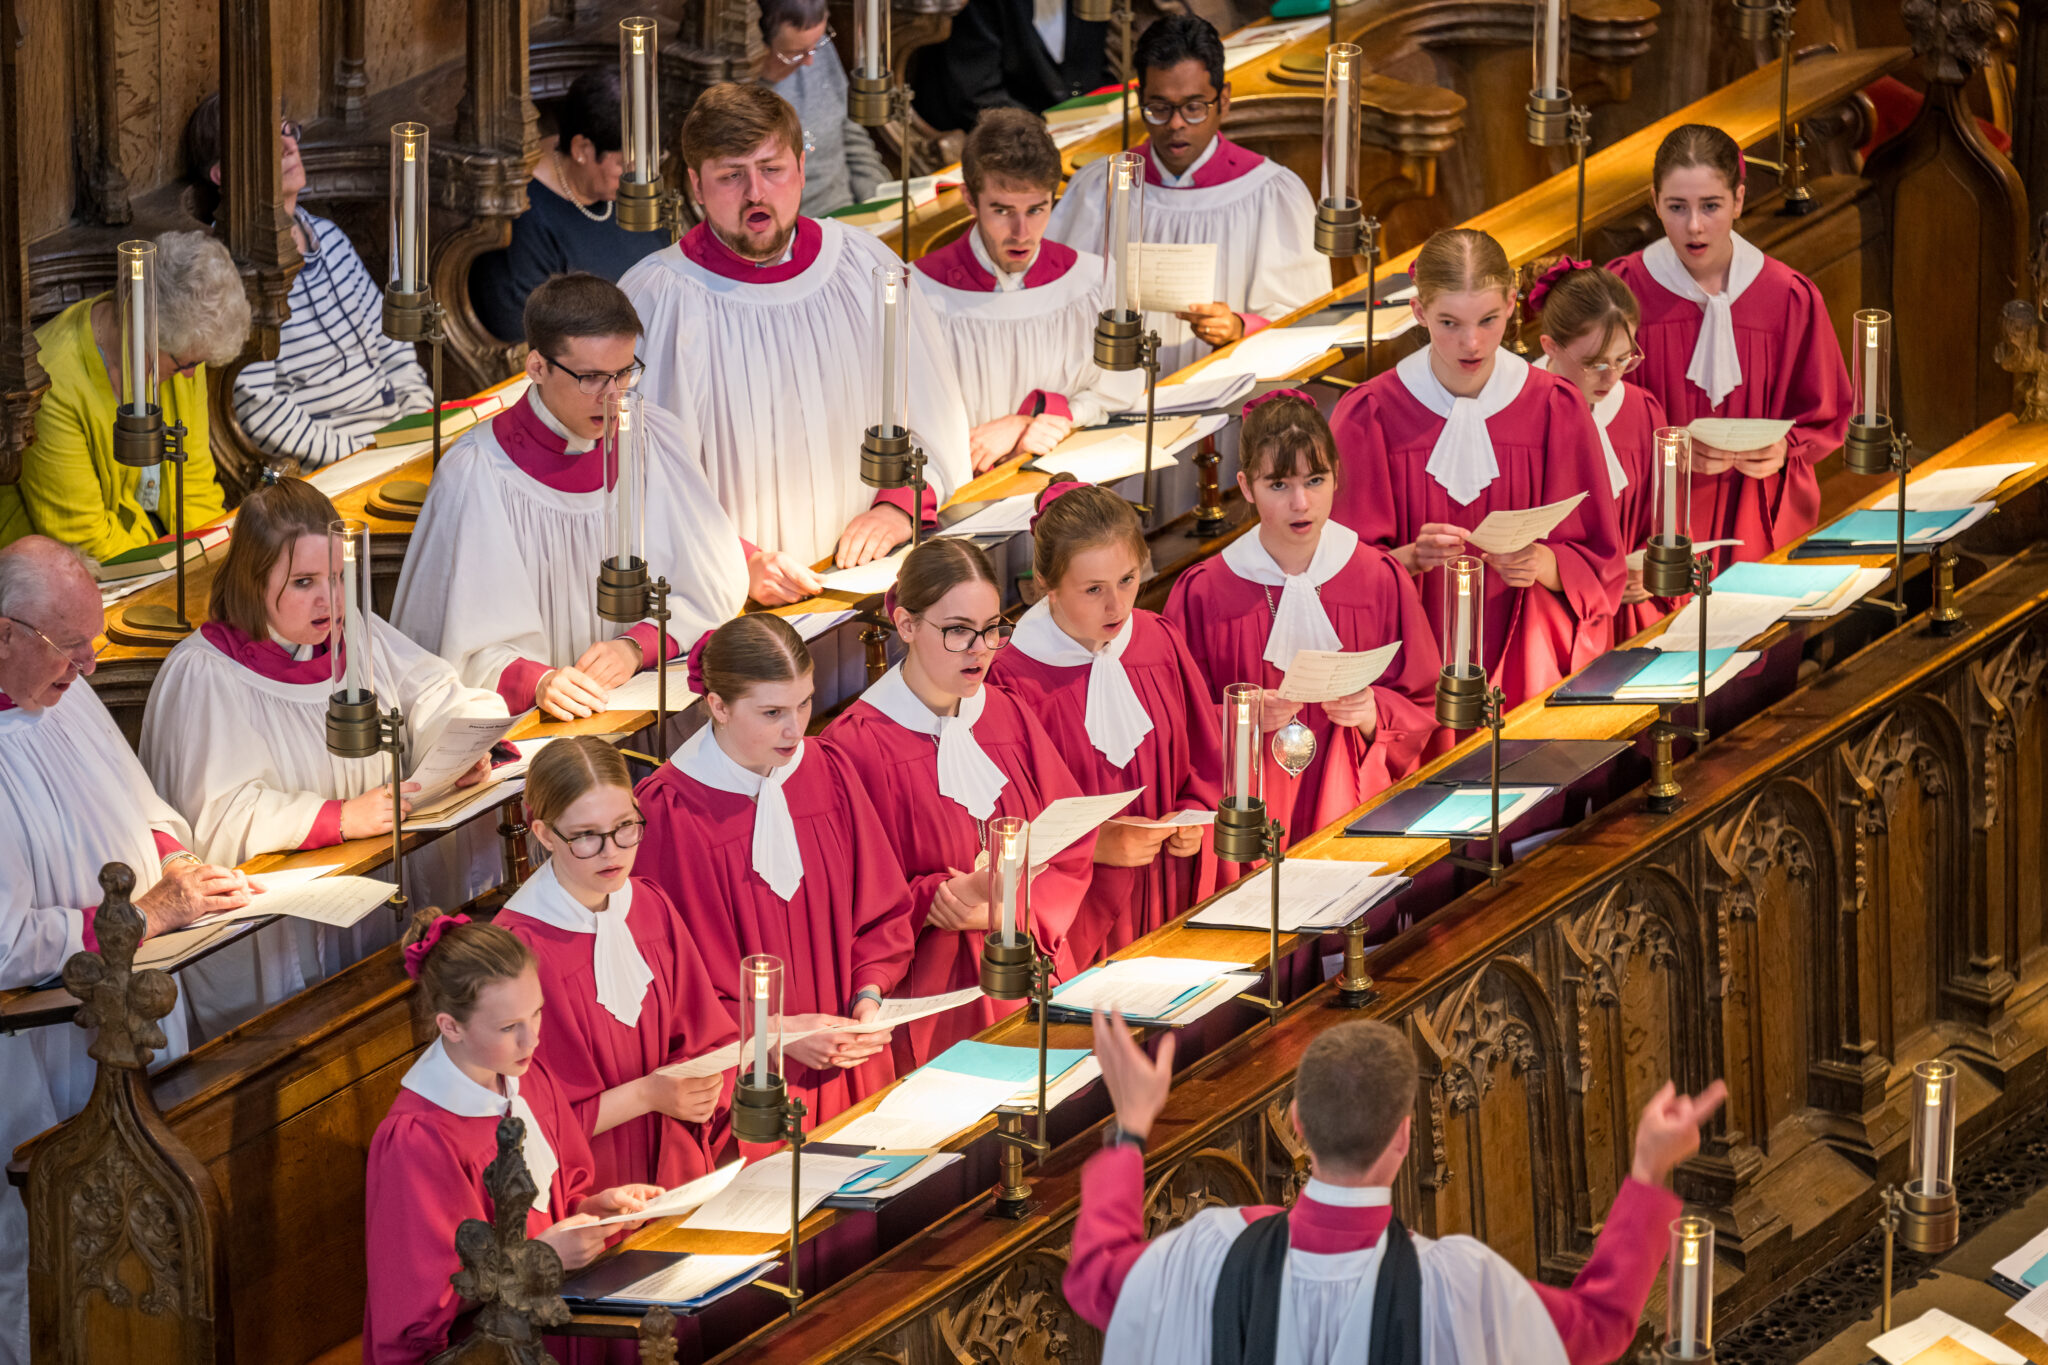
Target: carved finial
{"points": [[1952, 38], [514, 1279], [2020, 353], [658, 1337], [120, 1002]]}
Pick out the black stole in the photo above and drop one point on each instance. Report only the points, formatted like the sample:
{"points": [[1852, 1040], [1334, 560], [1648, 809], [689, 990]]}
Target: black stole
{"points": [[1244, 1323]]}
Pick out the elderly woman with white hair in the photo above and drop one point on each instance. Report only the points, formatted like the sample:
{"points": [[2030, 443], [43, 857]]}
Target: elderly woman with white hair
{"points": [[71, 486]]}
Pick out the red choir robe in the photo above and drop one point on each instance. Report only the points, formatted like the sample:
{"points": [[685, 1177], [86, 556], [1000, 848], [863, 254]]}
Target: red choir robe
{"points": [[1370, 601], [932, 833], [1179, 763], [587, 1050], [847, 925], [1547, 449], [426, 1176], [1791, 368]]}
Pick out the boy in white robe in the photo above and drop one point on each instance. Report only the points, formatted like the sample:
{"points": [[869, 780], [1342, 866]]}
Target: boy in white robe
{"points": [[1202, 187], [1338, 1253], [1018, 311], [500, 578], [72, 799], [762, 331]]}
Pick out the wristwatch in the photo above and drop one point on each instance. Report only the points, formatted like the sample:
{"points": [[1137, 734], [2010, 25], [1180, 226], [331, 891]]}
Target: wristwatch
{"points": [[1116, 1135], [864, 993]]}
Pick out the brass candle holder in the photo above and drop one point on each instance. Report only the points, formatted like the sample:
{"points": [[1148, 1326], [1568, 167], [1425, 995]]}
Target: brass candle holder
{"points": [[1925, 1215], [626, 597], [1754, 23], [1244, 831], [1464, 701], [356, 726], [1666, 578], [1210, 520], [643, 201], [763, 1110], [1013, 968], [894, 460], [1123, 344], [143, 441]]}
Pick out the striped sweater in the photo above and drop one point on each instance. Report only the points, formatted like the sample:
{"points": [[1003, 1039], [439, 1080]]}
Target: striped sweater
{"points": [[337, 377]]}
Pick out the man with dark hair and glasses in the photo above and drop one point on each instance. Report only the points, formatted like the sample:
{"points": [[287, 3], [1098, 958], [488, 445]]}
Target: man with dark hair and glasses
{"points": [[1202, 187], [500, 578]]}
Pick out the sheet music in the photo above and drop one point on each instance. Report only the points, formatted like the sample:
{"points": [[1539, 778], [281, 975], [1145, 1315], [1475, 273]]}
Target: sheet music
{"points": [[809, 625], [641, 691], [1198, 394], [1738, 434], [1004, 517], [1314, 894], [1951, 490], [1176, 276], [1277, 352], [1320, 675], [723, 1059], [1733, 620], [1142, 987], [926, 1108], [462, 741], [757, 1200], [691, 1278], [894, 1012], [1901, 1344], [341, 902], [1071, 818], [1503, 533], [167, 951], [875, 576], [1178, 819], [680, 1200], [2031, 1312]]}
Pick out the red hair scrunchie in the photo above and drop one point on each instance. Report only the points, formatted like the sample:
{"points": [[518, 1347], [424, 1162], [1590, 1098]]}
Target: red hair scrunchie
{"points": [[416, 953], [1053, 493], [1561, 267], [1302, 394], [693, 666], [889, 606]]}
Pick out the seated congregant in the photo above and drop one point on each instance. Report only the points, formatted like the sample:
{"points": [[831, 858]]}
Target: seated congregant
{"points": [[500, 577], [71, 485], [762, 331], [571, 219], [1202, 187], [1021, 54], [73, 798], [1018, 311], [235, 736], [337, 377], [798, 62]]}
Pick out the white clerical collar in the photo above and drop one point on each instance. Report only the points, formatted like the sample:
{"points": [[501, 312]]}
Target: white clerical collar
{"points": [[1347, 1196], [967, 777], [623, 975], [300, 653], [1299, 621], [435, 1078], [576, 445], [1604, 413], [777, 856], [1116, 720], [1006, 282], [1462, 461], [1186, 178], [1716, 366]]}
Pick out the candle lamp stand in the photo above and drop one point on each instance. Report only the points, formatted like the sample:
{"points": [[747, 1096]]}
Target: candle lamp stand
{"points": [[649, 206], [1210, 520], [1945, 619], [1465, 702], [415, 317], [142, 441], [1122, 345], [1354, 984], [1670, 569], [358, 729], [768, 1113], [1019, 971], [1244, 834], [891, 461], [1559, 121], [1879, 447], [1927, 1224], [626, 597], [1754, 23]]}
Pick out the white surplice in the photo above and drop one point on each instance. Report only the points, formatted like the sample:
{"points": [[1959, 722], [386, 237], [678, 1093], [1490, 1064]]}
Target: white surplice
{"points": [[502, 567], [1007, 343], [244, 759], [1299, 621], [780, 381], [1476, 1308], [72, 799], [1263, 224], [436, 1078]]}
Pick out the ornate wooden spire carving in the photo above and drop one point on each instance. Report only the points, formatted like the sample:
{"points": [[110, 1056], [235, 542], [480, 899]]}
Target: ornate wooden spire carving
{"points": [[514, 1279], [2020, 352]]}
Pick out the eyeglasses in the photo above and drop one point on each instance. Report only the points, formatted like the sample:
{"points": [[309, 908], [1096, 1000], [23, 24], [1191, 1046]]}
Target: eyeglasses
{"points": [[291, 128], [597, 381], [82, 655], [812, 51], [623, 836], [1193, 113], [1601, 368], [960, 639]]}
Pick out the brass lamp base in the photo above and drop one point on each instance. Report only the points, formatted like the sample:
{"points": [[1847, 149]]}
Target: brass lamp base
{"points": [[622, 591], [867, 99], [1119, 342], [1006, 967], [885, 458], [409, 317], [757, 1110], [1667, 567], [1929, 1223], [1664, 794], [402, 496], [1354, 983], [1945, 619], [1867, 448], [1461, 698], [1697, 1358], [1094, 11], [1340, 228], [156, 621], [1013, 1190], [1241, 830], [352, 730], [139, 437], [1753, 23], [639, 204], [1550, 118]]}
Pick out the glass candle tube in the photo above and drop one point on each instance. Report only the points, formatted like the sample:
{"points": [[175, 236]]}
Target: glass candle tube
{"points": [[1689, 1297], [625, 472], [1671, 484], [1464, 618], [1870, 363], [1123, 234], [408, 207], [639, 111], [1342, 73], [1934, 1129], [1550, 50], [760, 1020], [135, 302], [892, 338], [348, 651], [1243, 773], [1009, 857], [870, 39]]}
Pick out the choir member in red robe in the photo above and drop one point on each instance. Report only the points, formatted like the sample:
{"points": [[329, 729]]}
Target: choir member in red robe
{"points": [[942, 753], [1729, 332], [1124, 701], [1303, 581], [1461, 429], [769, 844], [627, 992], [1588, 322], [427, 1160]]}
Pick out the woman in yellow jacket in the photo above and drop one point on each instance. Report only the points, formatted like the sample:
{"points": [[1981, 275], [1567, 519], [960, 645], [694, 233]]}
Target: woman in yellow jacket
{"points": [[71, 486]]}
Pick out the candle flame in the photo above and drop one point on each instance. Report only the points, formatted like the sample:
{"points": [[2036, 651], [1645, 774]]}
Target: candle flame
{"points": [[1690, 1254], [1464, 581], [410, 146], [639, 45], [135, 268], [1933, 1092], [761, 986]]}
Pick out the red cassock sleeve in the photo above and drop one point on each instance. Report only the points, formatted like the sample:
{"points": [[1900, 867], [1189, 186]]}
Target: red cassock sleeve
{"points": [[1109, 1233], [1597, 1317], [1405, 695], [419, 1193]]}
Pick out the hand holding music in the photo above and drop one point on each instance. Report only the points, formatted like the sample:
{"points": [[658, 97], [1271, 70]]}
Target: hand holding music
{"points": [[996, 440], [871, 535], [776, 579], [961, 902], [1359, 711]]}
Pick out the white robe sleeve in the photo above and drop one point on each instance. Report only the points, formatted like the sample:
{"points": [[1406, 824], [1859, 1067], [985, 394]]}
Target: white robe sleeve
{"points": [[691, 540], [1163, 1310], [35, 940], [428, 688], [1478, 1310], [1287, 270]]}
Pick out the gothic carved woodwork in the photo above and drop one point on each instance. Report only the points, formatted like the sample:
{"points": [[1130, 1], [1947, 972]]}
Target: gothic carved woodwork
{"points": [[126, 1228], [2020, 352], [1208, 1179], [720, 40], [348, 86], [657, 1341], [1019, 1317], [95, 128], [514, 1281], [22, 381]]}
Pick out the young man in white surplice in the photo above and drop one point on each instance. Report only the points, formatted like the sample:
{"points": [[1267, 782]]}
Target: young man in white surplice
{"points": [[73, 798], [501, 576], [763, 328]]}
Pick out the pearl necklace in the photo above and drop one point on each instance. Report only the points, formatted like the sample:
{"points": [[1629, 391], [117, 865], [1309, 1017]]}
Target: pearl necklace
{"points": [[562, 174]]}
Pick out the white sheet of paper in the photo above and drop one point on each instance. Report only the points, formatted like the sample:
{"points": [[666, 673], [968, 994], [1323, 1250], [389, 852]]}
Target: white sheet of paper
{"points": [[1198, 394], [757, 1200], [894, 1012], [1277, 352], [1314, 894], [690, 1278], [680, 1200], [1901, 1344], [1142, 987], [1736, 434], [365, 466], [111, 593], [1700, 547], [1859, 586], [462, 741], [877, 575], [809, 625], [724, 1058], [1178, 819], [1504, 532], [925, 1109], [2031, 1312], [167, 951], [1951, 490], [1065, 135], [284, 878], [1004, 517], [1733, 620], [2015, 1266], [642, 690], [1686, 692], [1058, 1090], [1071, 818], [1320, 675], [337, 901], [1175, 276]]}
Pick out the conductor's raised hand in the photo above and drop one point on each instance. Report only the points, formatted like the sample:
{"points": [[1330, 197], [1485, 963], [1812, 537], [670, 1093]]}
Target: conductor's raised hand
{"points": [[1669, 1130], [1137, 1083]]}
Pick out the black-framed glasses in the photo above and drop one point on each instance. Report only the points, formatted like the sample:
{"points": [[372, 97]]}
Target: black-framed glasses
{"points": [[71, 653], [291, 128], [960, 639], [626, 834], [597, 381], [811, 51], [1193, 113]]}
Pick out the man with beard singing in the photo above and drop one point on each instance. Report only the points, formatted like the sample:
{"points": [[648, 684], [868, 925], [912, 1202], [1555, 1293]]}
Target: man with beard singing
{"points": [[762, 328]]}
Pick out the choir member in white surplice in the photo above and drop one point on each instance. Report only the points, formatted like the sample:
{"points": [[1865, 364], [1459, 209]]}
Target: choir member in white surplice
{"points": [[1202, 187], [501, 576], [1310, 1285], [235, 736], [1018, 311], [762, 328], [72, 799]]}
